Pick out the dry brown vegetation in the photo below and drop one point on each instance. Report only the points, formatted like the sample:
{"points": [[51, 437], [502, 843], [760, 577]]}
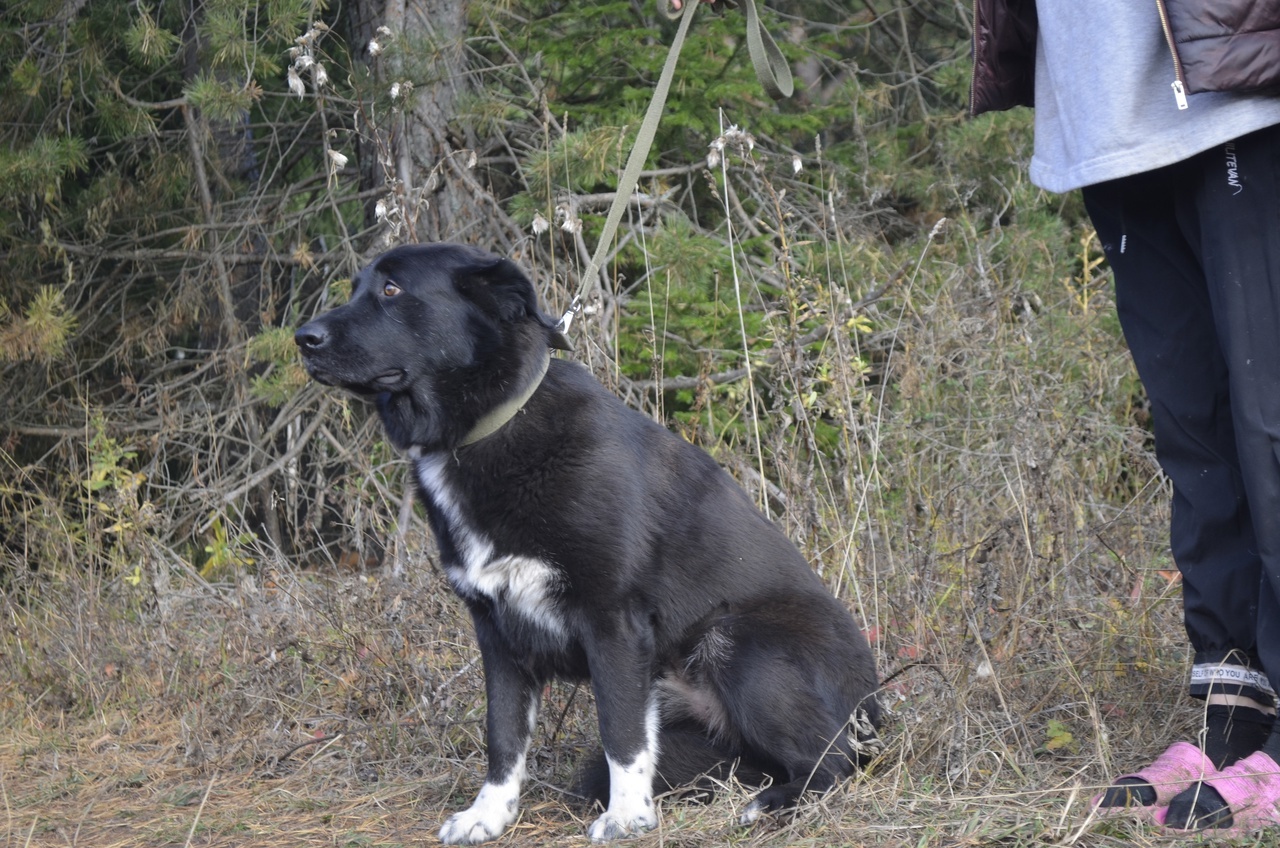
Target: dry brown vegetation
{"points": [[345, 709]]}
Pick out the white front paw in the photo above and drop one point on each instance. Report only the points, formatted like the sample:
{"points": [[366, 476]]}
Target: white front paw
{"points": [[478, 823], [611, 826]]}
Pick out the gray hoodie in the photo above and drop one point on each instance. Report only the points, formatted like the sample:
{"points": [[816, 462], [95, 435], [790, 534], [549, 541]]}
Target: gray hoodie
{"points": [[1105, 104]]}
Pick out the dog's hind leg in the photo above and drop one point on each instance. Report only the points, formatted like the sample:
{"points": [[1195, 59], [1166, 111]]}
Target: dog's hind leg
{"points": [[793, 708], [790, 727], [512, 715]]}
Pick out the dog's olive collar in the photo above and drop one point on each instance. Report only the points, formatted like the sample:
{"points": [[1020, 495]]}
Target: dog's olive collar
{"points": [[493, 421]]}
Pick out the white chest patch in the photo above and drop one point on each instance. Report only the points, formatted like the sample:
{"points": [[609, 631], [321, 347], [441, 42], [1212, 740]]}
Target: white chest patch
{"points": [[524, 584]]}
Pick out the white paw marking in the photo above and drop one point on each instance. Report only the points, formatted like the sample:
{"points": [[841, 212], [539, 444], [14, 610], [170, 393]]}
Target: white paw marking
{"points": [[610, 827], [495, 808], [753, 811]]}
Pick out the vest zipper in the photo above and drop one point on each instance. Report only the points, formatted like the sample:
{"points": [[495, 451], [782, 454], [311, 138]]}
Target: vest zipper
{"points": [[1179, 81]]}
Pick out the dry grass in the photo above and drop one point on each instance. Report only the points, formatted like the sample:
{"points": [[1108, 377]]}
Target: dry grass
{"points": [[321, 709]]}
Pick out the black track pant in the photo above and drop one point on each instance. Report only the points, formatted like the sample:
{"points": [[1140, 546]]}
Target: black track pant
{"points": [[1196, 252]]}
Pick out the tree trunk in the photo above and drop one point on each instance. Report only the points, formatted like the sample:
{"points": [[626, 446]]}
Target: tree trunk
{"points": [[430, 172]]}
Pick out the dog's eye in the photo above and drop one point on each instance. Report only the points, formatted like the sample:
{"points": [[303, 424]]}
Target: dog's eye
{"points": [[390, 289]]}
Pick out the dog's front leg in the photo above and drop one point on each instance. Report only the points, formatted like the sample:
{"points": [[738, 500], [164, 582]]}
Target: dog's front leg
{"points": [[512, 714], [621, 677]]}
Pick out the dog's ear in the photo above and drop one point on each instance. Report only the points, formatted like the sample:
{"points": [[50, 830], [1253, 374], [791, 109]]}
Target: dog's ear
{"points": [[559, 340], [501, 288], [498, 286]]}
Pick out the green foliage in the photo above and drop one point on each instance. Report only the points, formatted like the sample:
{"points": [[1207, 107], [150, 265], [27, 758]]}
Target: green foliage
{"points": [[225, 552], [112, 531], [599, 64], [146, 149], [285, 375], [40, 167], [42, 334], [579, 161], [689, 258], [274, 345], [1058, 739], [220, 101], [149, 43], [26, 76], [107, 458]]}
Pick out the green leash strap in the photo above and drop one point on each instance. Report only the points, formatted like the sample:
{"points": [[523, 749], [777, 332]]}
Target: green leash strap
{"points": [[774, 74], [771, 66]]}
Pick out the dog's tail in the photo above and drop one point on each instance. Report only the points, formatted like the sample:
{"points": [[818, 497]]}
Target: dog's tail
{"points": [[689, 761]]}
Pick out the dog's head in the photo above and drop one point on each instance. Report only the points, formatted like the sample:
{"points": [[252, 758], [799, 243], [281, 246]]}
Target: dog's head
{"points": [[437, 332]]}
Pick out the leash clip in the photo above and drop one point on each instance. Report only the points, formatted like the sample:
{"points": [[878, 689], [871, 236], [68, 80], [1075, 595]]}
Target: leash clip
{"points": [[566, 320]]}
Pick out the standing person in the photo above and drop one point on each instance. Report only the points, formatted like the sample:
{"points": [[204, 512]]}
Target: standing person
{"points": [[1167, 115]]}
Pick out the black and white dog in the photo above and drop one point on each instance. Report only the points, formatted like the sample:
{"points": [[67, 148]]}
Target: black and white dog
{"points": [[590, 543]]}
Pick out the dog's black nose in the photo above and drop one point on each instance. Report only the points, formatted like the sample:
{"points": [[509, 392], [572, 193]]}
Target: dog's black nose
{"points": [[310, 336]]}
